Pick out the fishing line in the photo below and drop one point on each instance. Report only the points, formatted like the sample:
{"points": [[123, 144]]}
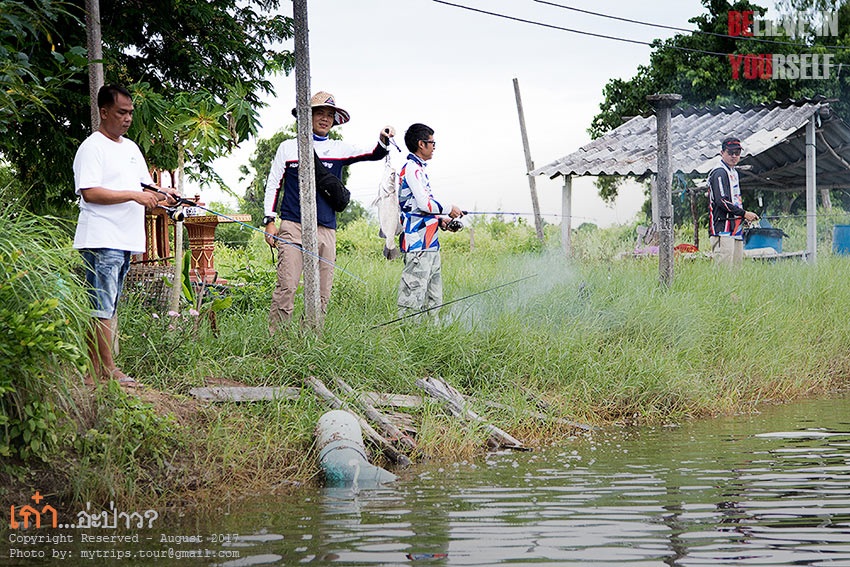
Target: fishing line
{"points": [[450, 302], [190, 203]]}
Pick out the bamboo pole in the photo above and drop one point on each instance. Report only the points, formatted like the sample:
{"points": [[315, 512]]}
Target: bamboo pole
{"points": [[457, 407], [529, 164], [386, 425]]}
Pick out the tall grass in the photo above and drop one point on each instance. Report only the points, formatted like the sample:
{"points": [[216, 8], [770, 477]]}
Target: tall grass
{"points": [[594, 339]]}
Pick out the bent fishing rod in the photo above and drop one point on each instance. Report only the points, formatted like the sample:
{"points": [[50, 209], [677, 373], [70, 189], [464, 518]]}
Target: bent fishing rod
{"points": [[178, 215], [452, 301]]}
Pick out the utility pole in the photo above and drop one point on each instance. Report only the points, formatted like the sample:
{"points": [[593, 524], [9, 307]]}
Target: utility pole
{"points": [[529, 165], [94, 46], [313, 316], [662, 104]]}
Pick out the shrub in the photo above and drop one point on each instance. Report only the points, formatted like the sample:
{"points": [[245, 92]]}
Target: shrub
{"points": [[43, 317]]}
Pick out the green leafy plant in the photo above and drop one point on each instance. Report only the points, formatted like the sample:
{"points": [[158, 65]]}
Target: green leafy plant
{"points": [[43, 320]]}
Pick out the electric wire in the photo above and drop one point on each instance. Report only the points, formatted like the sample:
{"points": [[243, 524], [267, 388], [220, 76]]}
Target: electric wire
{"points": [[580, 32]]}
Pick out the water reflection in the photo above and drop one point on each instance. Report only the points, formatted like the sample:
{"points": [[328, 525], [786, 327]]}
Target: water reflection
{"points": [[771, 489]]}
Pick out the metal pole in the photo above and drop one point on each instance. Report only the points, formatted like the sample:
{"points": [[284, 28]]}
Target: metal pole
{"points": [[529, 165], [313, 316], [94, 45], [811, 192], [662, 104], [567, 216]]}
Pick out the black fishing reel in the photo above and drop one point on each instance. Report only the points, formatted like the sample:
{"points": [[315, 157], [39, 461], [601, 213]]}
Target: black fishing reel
{"points": [[174, 213], [454, 225]]}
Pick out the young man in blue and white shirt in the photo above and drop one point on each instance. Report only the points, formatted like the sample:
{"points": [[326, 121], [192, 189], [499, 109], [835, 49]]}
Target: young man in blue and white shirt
{"points": [[421, 285]]}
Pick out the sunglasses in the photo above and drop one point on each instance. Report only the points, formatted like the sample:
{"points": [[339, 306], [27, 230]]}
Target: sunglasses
{"points": [[736, 152]]}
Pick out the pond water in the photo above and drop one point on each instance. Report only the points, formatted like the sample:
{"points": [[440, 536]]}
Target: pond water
{"points": [[768, 489]]}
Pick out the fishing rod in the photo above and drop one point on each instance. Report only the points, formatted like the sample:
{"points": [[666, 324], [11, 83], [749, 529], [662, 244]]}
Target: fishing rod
{"points": [[452, 301], [508, 213], [174, 213]]}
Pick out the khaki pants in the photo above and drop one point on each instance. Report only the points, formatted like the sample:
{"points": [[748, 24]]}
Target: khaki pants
{"points": [[727, 250], [290, 264], [421, 285]]}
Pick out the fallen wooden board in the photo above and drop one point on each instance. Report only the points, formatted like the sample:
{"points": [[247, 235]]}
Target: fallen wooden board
{"points": [[244, 393]]}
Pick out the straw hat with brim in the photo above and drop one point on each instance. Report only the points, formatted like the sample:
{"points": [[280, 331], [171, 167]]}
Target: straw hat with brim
{"points": [[322, 98]]}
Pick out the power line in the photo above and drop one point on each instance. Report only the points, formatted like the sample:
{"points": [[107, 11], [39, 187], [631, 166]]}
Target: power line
{"points": [[612, 37], [581, 32], [674, 28]]}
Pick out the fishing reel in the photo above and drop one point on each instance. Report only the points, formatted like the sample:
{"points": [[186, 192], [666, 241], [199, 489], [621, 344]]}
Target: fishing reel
{"points": [[454, 225], [174, 213]]}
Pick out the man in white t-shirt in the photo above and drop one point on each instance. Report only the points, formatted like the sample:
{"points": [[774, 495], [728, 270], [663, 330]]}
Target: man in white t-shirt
{"points": [[109, 171]]}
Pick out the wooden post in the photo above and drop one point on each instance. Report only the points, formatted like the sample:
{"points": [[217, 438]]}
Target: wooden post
{"points": [[662, 104], [811, 192], [567, 216], [529, 165], [313, 316], [94, 46]]}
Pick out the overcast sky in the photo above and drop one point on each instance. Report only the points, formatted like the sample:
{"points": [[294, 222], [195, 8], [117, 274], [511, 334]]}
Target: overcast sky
{"points": [[403, 61]]}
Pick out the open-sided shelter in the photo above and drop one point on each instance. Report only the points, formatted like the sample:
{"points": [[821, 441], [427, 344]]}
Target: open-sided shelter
{"points": [[790, 145]]}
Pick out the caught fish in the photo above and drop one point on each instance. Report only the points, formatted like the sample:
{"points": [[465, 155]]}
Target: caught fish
{"points": [[389, 215]]}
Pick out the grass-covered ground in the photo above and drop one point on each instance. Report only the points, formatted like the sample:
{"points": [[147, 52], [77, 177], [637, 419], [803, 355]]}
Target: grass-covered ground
{"points": [[594, 337]]}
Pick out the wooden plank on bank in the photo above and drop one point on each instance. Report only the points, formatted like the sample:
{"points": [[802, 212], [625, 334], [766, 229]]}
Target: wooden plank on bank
{"points": [[458, 407], [334, 402], [244, 393]]}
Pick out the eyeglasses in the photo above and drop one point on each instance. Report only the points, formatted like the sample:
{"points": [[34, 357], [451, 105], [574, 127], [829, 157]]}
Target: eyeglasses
{"points": [[734, 152], [432, 142]]}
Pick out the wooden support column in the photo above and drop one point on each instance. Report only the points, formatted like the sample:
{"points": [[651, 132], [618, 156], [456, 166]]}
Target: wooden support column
{"points": [[662, 104], [313, 316], [811, 192], [567, 216]]}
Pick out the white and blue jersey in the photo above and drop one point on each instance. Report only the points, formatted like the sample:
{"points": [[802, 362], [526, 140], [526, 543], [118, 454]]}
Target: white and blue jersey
{"points": [[334, 154], [419, 208]]}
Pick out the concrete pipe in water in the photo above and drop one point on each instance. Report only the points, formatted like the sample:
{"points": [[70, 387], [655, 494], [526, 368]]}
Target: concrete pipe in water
{"points": [[342, 454]]}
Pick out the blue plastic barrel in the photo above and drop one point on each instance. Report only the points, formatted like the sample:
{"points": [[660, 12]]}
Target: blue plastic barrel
{"points": [[841, 239]]}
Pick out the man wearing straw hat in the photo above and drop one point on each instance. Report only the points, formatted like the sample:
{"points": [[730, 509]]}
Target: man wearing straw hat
{"points": [[283, 199], [726, 214]]}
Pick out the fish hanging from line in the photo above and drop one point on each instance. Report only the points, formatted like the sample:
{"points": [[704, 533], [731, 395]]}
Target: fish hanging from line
{"points": [[389, 214]]}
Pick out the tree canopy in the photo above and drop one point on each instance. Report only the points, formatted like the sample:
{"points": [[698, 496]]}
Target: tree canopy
{"points": [[223, 52], [697, 66]]}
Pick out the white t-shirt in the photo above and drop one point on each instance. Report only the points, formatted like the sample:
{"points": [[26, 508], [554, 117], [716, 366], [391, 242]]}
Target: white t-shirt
{"points": [[119, 166]]}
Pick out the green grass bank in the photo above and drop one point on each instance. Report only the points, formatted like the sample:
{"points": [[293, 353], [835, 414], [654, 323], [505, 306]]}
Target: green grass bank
{"points": [[595, 337]]}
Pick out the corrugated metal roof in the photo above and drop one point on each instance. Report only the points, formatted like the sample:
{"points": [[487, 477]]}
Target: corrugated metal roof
{"points": [[773, 138]]}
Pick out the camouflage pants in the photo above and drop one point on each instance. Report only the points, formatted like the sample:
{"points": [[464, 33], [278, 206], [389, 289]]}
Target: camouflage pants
{"points": [[421, 285]]}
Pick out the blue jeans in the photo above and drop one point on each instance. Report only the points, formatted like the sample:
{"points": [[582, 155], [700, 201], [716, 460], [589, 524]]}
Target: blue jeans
{"points": [[105, 272]]}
